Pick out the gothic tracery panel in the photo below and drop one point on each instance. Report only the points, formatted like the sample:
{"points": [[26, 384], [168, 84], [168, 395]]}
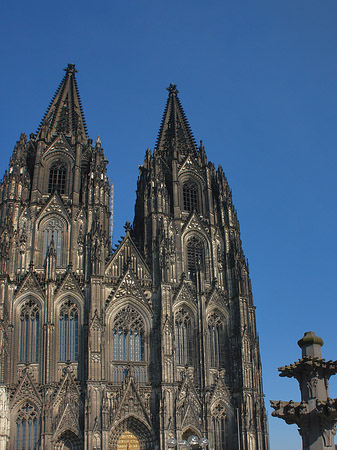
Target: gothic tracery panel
{"points": [[128, 344], [183, 333], [53, 231], [190, 196], [57, 177], [216, 340], [68, 331], [29, 332], [27, 427], [195, 257]]}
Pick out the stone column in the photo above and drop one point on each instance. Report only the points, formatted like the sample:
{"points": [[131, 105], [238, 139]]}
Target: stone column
{"points": [[4, 418], [316, 414]]}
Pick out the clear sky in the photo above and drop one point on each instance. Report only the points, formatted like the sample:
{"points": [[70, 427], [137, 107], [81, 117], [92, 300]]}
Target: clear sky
{"points": [[258, 82]]}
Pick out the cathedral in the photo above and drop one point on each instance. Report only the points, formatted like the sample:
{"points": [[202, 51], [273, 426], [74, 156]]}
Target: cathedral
{"points": [[149, 345]]}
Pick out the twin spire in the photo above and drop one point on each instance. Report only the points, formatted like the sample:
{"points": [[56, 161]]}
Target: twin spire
{"points": [[175, 131], [65, 115]]}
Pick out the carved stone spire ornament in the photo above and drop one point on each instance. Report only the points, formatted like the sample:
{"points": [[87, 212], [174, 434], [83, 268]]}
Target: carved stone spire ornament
{"points": [[316, 414]]}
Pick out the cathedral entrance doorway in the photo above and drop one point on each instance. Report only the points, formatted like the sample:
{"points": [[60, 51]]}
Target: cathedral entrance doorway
{"points": [[131, 434], [68, 441], [128, 441]]}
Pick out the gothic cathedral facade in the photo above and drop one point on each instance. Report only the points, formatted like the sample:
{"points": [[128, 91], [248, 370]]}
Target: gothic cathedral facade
{"points": [[131, 347]]}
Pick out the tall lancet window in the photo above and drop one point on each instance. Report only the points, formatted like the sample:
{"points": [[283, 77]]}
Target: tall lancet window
{"points": [[68, 348], [57, 177], [128, 336], [27, 428], [190, 196], [216, 340], [183, 334], [128, 342], [53, 231], [29, 332], [219, 426], [195, 257]]}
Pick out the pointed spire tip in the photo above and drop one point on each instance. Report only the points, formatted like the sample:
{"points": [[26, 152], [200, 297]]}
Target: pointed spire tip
{"points": [[71, 68], [172, 89]]}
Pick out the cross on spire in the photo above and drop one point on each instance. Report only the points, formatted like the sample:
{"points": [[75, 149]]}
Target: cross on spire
{"points": [[71, 68], [172, 89]]}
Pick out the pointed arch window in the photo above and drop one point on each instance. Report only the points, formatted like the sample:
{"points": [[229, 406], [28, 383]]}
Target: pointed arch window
{"points": [[53, 231], [190, 196], [183, 333], [27, 428], [219, 426], [29, 332], [68, 345], [216, 340], [195, 257], [57, 177], [128, 336]]}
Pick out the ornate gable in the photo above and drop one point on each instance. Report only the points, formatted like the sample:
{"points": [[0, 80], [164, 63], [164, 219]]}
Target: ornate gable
{"points": [[81, 215], [127, 255], [29, 284], [68, 421], [217, 297], [190, 165], [131, 403], [68, 391], [129, 287], [188, 404], [185, 293], [54, 205], [194, 223], [26, 390], [69, 284], [59, 146], [220, 393]]}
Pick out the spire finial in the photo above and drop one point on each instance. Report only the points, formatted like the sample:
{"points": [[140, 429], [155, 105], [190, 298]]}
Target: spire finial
{"points": [[71, 68], [172, 89]]}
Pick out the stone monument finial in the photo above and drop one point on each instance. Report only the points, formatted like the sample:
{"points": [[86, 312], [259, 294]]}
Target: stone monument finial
{"points": [[311, 345], [316, 414]]}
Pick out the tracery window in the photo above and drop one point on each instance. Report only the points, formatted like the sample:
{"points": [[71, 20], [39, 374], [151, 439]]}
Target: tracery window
{"points": [[29, 332], [57, 177], [128, 335], [190, 196], [219, 425], [68, 346], [26, 428], [216, 340], [53, 232], [183, 333], [195, 257]]}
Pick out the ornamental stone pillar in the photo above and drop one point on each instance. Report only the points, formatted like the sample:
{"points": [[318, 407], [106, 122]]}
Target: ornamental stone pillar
{"points": [[4, 418], [316, 414]]}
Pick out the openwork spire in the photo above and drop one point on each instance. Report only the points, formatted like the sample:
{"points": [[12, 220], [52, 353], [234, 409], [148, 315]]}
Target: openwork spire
{"points": [[64, 114], [175, 131]]}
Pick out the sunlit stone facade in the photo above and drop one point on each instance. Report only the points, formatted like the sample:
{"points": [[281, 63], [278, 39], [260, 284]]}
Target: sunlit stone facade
{"points": [[129, 347]]}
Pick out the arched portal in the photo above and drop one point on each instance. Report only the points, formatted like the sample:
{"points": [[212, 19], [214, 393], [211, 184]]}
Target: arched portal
{"points": [[68, 441], [131, 434], [128, 441]]}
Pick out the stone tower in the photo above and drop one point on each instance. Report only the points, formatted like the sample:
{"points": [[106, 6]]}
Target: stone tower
{"points": [[131, 347]]}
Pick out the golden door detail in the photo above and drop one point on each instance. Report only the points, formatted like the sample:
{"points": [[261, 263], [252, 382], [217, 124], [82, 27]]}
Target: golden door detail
{"points": [[128, 441]]}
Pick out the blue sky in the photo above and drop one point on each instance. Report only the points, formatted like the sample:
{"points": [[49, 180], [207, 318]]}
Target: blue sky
{"points": [[258, 82]]}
